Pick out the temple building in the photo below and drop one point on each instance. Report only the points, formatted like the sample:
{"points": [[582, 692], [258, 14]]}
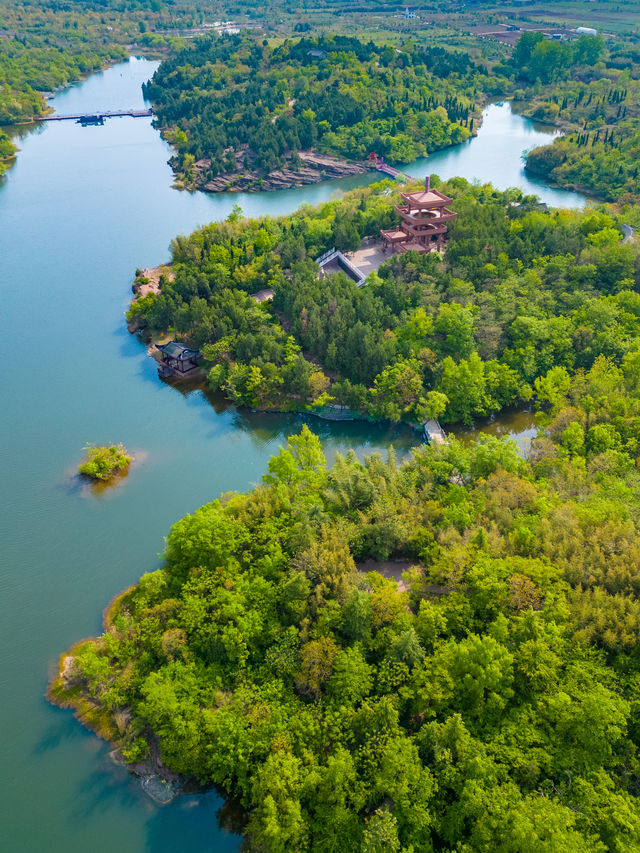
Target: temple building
{"points": [[424, 217], [177, 359]]}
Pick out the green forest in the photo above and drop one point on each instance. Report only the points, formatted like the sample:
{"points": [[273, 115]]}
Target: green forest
{"points": [[7, 151], [480, 692], [47, 47], [238, 108], [233, 104], [599, 112], [48, 44], [521, 291], [489, 702]]}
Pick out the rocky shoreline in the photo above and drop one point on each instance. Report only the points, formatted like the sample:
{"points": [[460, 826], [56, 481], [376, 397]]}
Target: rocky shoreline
{"points": [[309, 168], [68, 689]]}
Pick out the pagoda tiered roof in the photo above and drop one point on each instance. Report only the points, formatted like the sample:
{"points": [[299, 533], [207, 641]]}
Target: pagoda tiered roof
{"points": [[423, 221], [425, 217], [428, 229], [426, 199], [394, 235]]}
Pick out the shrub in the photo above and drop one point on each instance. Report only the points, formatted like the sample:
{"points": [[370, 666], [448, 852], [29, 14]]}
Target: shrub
{"points": [[103, 463]]}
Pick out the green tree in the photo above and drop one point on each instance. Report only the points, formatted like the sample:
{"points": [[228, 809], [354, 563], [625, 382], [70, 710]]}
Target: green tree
{"points": [[351, 680], [316, 666], [454, 326], [302, 462], [553, 387], [381, 833], [397, 391], [464, 385], [278, 823]]}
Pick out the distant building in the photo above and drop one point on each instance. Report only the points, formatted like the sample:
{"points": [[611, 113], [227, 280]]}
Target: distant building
{"points": [[317, 54], [586, 31], [409, 13]]}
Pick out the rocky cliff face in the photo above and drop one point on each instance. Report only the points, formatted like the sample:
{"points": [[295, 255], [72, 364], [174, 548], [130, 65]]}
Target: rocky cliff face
{"points": [[313, 168]]}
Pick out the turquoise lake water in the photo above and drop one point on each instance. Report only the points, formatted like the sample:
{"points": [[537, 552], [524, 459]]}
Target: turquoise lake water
{"points": [[80, 210]]}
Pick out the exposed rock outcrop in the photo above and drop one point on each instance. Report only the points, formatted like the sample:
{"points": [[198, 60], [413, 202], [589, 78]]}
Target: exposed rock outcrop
{"points": [[311, 169]]}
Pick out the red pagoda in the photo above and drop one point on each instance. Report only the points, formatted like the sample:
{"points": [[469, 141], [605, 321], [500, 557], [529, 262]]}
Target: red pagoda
{"points": [[424, 218]]}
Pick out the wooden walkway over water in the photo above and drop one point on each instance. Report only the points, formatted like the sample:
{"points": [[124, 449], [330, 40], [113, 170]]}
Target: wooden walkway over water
{"points": [[393, 173], [100, 115]]}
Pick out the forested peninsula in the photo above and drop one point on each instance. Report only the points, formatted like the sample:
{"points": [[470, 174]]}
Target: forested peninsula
{"points": [[597, 107], [245, 114], [522, 296], [487, 702]]}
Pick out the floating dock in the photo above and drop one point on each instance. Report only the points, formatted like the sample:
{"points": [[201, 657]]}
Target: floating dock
{"points": [[433, 433]]}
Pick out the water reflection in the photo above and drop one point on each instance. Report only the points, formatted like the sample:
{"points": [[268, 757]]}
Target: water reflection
{"points": [[265, 428], [361, 436], [199, 824], [519, 427], [495, 156]]}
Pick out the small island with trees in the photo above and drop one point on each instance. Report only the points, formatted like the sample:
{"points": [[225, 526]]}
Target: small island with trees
{"points": [[103, 463]]}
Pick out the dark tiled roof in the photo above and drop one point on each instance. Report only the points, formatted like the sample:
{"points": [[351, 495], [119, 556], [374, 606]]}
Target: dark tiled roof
{"points": [[176, 350]]}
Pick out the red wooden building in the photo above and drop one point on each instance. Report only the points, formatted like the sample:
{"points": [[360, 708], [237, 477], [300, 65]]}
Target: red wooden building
{"points": [[423, 221]]}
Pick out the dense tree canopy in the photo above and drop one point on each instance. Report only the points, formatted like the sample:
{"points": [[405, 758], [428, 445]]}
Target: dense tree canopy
{"points": [[45, 47], [598, 105], [7, 150], [539, 58], [50, 43], [520, 290], [233, 104], [490, 702]]}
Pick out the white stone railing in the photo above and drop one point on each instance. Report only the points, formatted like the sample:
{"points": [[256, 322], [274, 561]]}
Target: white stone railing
{"points": [[331, 254]]}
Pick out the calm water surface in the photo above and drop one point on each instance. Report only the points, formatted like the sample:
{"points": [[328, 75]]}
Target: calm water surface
{"points": [[81, 209]]}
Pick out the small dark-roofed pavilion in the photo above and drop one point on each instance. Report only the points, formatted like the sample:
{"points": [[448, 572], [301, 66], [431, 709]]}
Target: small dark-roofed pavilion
{"points": [[177, 358]]}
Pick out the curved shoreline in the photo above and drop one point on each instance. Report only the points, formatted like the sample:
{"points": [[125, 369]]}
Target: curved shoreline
{"points": [[587, 192], [68, 691], [110, 613], [61, 693]]}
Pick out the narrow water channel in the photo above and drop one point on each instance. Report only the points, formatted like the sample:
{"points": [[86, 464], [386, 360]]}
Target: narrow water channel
{"points": [[80, 210]]}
